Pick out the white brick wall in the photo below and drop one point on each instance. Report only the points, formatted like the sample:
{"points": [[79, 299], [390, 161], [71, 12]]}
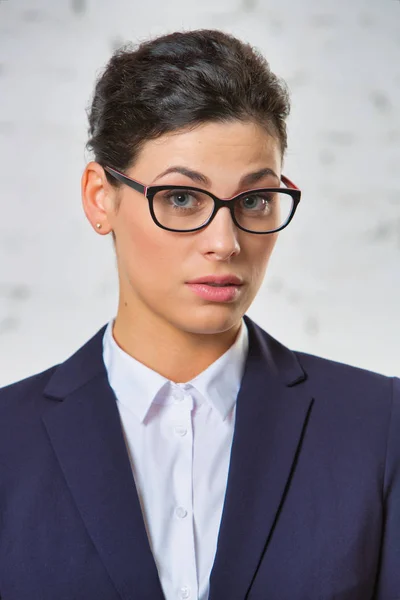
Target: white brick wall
{"points": [[333, 287]]}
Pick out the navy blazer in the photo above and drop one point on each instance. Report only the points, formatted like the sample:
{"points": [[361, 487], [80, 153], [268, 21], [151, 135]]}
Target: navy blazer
{"points": [[312, 507]]}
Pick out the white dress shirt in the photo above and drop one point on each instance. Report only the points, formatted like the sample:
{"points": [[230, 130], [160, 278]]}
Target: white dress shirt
{"points": [[179, 439]]}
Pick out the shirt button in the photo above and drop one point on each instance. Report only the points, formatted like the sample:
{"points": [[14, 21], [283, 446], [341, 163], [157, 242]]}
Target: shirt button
{"points": [[184, 592], [180, 431], [181, 514], [177, 397]]}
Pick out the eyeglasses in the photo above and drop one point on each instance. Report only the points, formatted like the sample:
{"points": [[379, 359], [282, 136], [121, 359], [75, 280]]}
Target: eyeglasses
{"points": [[185, 208]]}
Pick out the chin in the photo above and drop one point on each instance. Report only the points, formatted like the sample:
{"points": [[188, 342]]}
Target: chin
{"points": [[210, 319]]}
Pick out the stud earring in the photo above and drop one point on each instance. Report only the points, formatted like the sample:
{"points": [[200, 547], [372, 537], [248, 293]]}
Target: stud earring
{"points": [[99, 225]]}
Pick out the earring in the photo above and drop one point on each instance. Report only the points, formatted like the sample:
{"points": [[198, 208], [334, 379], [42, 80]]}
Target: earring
{"points": [[99, 225]]}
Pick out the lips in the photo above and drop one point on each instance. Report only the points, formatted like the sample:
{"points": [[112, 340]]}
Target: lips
{"points": [[217, 288], [212, 292], [218, 280], [219, 284]]}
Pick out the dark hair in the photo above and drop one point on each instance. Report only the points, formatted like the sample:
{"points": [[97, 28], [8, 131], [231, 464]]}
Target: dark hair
{"points": [[177, 81]]}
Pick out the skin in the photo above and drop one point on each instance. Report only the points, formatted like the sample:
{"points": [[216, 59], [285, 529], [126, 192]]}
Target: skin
{"points": [[160, 321]]}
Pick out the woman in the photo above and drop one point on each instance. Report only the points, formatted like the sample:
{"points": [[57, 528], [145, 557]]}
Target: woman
{"points": [[183, 452]]}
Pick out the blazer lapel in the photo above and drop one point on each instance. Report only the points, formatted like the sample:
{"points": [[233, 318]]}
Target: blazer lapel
{"points": [[86, 434], [84, 428], [271, 417]]}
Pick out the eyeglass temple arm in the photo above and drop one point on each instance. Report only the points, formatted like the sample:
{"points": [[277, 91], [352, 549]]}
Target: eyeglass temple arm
{"points": [[288, 183], [136, 185]]}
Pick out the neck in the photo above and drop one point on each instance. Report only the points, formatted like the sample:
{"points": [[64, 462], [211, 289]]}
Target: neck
{"points": [[176, 354]]}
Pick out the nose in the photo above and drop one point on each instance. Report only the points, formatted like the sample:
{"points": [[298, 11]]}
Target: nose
{"points": [[220, 237]]}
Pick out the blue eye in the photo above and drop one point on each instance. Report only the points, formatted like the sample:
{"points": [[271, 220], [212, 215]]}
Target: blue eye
{"points": [[181, 198], [184, 200], [254, 202]]}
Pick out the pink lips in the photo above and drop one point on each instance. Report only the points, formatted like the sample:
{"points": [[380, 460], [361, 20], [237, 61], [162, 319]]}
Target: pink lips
{"points": [[222, 288]]}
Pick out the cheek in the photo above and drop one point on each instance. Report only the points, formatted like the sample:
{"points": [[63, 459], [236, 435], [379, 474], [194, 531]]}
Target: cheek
{"points": [[146, 252], [258, 253]]}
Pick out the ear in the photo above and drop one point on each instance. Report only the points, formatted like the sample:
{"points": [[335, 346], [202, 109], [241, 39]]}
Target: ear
{"points": [[98, 198]]}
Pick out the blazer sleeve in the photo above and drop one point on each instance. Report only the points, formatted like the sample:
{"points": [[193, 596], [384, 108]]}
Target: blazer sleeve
{"points": [[388, 584]]}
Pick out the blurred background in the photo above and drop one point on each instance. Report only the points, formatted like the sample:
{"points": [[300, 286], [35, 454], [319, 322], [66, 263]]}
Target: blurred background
{"points": [[333, 285]]}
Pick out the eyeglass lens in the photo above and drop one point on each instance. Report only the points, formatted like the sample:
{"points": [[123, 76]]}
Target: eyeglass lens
{"points": [[261, 211]]}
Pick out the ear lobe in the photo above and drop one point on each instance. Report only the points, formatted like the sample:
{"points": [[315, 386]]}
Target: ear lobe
{"points": [[96, 197]]}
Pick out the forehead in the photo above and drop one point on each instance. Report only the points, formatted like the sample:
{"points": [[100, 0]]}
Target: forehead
{"points": [[232, 144]]}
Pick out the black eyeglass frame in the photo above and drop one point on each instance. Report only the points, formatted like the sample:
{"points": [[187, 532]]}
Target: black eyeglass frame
{"points": [[150, 191]]}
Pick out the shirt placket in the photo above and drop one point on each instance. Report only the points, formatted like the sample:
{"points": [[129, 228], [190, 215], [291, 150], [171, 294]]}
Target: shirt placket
{"points": [[185, 571]]}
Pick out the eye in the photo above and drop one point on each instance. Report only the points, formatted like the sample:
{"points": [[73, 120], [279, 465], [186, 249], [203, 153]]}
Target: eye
{"points": [[255, 202], [180, 198]]}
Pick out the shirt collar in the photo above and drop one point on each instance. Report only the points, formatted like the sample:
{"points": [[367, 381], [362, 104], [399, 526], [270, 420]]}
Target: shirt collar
{"points": [[137, 386]]}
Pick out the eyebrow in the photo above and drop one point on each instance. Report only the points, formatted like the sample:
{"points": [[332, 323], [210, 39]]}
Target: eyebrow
{"points": [[198, 177]]}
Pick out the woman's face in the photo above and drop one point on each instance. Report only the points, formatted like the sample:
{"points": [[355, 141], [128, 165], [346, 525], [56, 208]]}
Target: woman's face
{"points": [[156, 265]]}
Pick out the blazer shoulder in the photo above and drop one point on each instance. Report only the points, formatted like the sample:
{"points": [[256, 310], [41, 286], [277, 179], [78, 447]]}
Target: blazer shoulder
{"points": [[28, 387], [318, 363], [74, 371], [348, 380], [337, 383]]}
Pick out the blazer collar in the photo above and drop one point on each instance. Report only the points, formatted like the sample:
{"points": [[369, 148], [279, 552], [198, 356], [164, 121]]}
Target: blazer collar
{"points": [[87, 362], [271, 420], [85, 431], [79, 369]]}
